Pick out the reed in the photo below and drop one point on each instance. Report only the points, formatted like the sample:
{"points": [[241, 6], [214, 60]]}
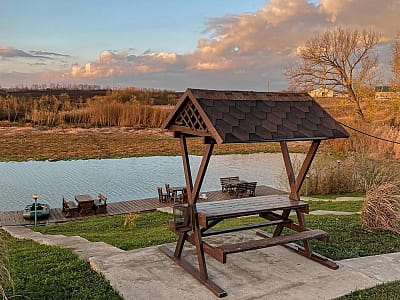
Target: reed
{"points": [[374, 148], [353, 173]]}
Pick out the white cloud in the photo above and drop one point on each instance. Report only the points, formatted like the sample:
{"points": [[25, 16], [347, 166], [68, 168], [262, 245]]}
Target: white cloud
{"points": [[241, 51]]}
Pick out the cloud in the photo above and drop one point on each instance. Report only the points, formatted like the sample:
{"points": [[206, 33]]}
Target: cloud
{"points": [[46, 53], [237, 51], [121, 63], [6, 51]]}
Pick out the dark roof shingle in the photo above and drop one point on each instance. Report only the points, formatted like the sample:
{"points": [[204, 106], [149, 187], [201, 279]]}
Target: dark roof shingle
{"points": [[242, 116]]}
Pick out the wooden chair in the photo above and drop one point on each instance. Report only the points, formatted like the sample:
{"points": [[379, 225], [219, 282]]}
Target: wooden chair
{"points": [[168, 192], [225, 183], [241, 189], [101, 205], [251, 188], [161, 196], [69, 208]]}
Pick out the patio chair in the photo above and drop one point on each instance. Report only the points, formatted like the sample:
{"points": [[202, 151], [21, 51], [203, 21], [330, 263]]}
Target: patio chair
{"points": [[168, 192], [101, 204], [251, 188], [225, 183], [161, 196]]}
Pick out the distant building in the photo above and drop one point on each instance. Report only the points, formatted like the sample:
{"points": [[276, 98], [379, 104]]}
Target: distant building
{"points": [[385, 92], [321, 92]]}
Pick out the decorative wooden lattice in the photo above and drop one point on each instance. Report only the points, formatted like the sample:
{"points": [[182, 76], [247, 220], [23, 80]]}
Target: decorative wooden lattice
{"points": [[190, 117]]}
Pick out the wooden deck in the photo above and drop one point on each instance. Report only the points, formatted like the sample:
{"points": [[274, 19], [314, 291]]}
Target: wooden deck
{"points": [[13, 218]]}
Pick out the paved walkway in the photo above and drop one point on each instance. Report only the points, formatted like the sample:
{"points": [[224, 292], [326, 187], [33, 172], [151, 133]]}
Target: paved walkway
{"points": [[272, 273]]}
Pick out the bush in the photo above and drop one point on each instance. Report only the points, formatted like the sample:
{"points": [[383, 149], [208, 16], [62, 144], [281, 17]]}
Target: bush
{"points": [[354, 173], [381, 209]]}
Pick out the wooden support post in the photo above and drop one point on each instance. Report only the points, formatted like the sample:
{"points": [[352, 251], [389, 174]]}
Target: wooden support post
{"points": [[304, 168], [279, 228], [295, 185]]}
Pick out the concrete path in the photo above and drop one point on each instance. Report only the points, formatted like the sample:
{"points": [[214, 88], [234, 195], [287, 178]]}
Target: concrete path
{"points": [[272, 273]]}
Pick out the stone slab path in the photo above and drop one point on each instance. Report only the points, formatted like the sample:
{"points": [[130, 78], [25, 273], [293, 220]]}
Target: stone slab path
{"points": [[272, 273]]}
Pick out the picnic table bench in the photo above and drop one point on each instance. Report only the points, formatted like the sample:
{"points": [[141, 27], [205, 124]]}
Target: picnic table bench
{"points": [[246, 117], [69, 208]]}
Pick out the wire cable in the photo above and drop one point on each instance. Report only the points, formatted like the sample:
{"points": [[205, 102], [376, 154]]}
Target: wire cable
{"points": [[368, 134]]}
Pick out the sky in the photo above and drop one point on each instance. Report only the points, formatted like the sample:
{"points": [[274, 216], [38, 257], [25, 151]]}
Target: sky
{"points": [[215, 44]]}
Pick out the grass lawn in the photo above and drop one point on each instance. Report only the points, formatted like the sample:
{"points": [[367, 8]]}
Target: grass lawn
{"points": [[347, 239], [334, 196], [350, 206], [46, 272], [387, 291]]}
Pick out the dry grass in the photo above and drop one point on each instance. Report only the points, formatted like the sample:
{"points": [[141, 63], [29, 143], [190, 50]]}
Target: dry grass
{"points": [[364, 144], [381, 209], [352, 173], [130, 220], [23, 143]]}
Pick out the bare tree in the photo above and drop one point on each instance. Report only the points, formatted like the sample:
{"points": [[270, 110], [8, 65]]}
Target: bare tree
{"points": [[340, 59], [396, 64]]}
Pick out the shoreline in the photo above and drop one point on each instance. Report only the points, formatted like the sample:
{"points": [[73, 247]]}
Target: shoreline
{"points": [[53, 144]]}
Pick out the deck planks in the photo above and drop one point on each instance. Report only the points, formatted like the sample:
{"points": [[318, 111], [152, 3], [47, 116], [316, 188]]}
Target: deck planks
{"points": [[14, 218]]}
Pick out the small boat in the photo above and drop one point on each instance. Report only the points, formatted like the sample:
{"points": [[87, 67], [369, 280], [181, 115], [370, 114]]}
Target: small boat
{"points": [[42, 211]]}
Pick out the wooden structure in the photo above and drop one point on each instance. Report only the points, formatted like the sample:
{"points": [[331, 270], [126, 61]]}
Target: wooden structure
{"points": [[69, 208], [57, 215], [244, 117]]}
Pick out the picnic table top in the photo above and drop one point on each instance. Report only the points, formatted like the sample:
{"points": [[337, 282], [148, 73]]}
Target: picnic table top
{"points": [[245, 206], [83, 198]]}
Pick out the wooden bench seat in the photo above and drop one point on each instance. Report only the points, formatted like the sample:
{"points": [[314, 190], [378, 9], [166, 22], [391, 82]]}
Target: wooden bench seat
{"points": [[220, 253], [269, 242], [69, 208]]}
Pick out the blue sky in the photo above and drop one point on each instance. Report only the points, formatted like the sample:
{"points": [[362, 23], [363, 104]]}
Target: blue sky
{"points": [[171, 44], [86, 28]]}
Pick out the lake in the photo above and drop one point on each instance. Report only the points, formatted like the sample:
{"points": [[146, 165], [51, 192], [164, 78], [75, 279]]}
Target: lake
{"points": [[125, 179]]}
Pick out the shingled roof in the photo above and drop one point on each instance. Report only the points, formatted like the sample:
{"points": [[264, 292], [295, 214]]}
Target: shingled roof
{"points": [[244, 116]]}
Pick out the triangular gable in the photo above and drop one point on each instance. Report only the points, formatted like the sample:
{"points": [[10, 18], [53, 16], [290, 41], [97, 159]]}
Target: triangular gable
{"points": [[189, 117]]}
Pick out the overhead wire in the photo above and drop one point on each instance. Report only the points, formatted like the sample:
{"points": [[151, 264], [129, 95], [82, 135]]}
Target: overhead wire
{"points": [[368, 134]]}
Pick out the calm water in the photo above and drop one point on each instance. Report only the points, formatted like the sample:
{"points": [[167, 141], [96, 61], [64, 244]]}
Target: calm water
{"points": [[124, 179]]}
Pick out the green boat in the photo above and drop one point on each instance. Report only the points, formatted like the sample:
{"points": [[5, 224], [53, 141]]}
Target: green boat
{"points": [[42, 210]]}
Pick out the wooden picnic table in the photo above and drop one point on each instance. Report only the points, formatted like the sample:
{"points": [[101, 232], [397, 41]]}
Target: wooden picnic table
{"points": [[179, 193], [85, 204], [220, 117]]}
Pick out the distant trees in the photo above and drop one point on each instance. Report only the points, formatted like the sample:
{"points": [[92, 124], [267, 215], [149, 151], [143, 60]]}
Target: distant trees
{"points": [[396, 63], [338, 59]]}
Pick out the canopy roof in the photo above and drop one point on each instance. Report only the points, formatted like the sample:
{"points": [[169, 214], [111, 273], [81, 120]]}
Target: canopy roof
{"points": [[248, 117]]}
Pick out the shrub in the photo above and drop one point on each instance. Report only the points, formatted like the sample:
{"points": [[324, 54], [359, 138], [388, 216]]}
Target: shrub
{"points": [[381, 209], [353, 173]]}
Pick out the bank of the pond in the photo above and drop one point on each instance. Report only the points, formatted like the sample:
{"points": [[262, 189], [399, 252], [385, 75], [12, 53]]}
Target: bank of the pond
{"points": [[26, 143]]}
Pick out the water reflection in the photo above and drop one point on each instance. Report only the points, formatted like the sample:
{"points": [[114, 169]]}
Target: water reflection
{"points": [[124, 179]]}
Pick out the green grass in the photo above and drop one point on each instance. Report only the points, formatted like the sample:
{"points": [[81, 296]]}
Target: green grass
{"points": [[151, 229], [46, 272], [387, 291], [347, 239], [350, 206], [334, 196]]}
